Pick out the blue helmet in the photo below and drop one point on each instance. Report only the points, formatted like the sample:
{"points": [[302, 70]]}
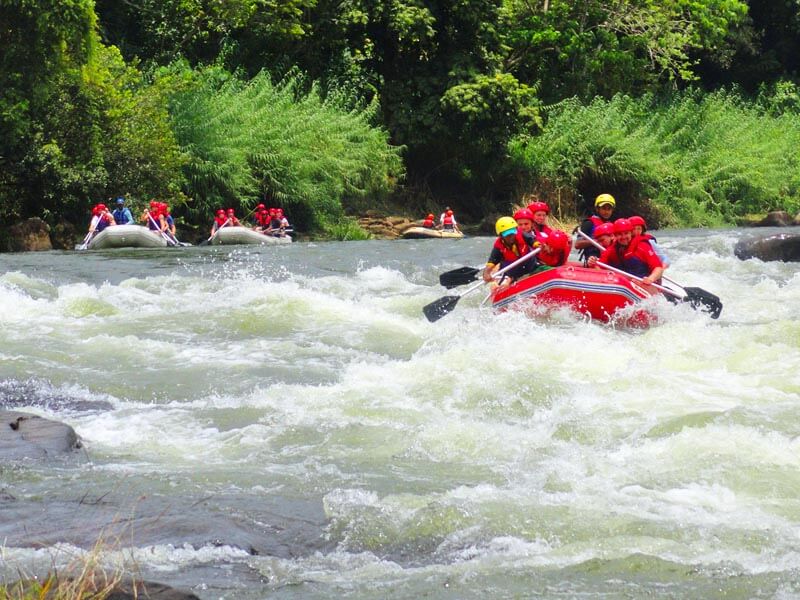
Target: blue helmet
{"points": [[120, 200]]}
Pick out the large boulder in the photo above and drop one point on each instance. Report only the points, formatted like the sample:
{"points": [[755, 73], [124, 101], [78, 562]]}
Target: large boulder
{"points": [[781, 246], [29, 235], [23, 435]]}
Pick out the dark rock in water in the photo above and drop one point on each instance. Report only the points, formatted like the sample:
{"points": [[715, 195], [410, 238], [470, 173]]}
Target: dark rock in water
{"points": [[28, 436], [782, 246], [31, 234], [147, 589], [64, 236], [776, 218], [16, 394]]}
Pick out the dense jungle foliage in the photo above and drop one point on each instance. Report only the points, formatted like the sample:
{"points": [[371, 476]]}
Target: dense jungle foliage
{"points": [[687, 110]]}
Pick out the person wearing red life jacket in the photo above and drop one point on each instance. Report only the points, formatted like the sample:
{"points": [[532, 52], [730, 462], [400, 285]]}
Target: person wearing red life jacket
{"points": [[555, 249], [220, 221], [524, 219], [508, 247], [604, 206], [639, 230], [150, 216], [231, 214], [429, 222], [449, 221], [604, 234], [257, 216], [541, 229], [631, 254], [101, 218]]}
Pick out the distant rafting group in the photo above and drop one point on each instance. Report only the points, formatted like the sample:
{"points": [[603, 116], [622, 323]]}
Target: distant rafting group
{"points": [[156, 227], [117, 228]]}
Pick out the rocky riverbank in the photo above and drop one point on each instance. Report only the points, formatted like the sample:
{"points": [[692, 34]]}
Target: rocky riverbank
{"points": [[34, 234]]}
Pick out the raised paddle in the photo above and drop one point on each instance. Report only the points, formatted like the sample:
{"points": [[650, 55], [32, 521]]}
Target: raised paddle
{"points": [[439, 308], [695, 296]]}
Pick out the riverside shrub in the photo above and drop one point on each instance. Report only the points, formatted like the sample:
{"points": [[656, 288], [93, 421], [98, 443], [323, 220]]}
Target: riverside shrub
{"points": [[702, 159], [282, 143]]}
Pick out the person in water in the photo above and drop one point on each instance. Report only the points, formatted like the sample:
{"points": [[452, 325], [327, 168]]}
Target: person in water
{"points": [[429, 222], [640, 229], [555, 249], [509, 246], [122, 214], [631, 254], [604, 206]]}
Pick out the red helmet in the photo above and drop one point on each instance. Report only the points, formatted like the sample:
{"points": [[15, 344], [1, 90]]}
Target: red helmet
{"points": [[558, 239], [637, 220], [221, 212], [273, 211], [449, 213], [153, 203], [604, 229], [537, 206], [430, 216], [622, 225], [278, 211], [523, 213], [230, 211], [101, 207], [260, 206]]}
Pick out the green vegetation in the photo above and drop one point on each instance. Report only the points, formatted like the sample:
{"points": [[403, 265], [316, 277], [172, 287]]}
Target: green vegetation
{"points": [[328, 108], [703, 159], [251, 139]]}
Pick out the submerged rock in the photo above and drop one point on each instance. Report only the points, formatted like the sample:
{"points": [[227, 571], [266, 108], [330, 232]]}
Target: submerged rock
{"points": [[148, 589], [24, 435], [782, 246]]}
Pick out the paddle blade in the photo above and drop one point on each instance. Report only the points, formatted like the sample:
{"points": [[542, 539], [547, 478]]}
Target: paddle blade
{"points": [[460, 276], [705, 301], [436, 310]]}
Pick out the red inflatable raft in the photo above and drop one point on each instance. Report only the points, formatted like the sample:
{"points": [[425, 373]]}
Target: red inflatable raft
{"points": [[593, 292]]}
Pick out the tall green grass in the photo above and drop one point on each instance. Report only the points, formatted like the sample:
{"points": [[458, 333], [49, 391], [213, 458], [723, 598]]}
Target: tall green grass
{"points": [[702, 159], [282, 143]]}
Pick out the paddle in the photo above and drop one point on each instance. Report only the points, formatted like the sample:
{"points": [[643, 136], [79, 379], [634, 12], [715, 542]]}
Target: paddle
{"points": [[167, 235], [439, 308], [85, 244], [696, 297], [213, 235], [460, 276], [701, 297]]}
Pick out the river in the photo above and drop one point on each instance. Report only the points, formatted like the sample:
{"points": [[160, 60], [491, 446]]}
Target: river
{"points": [[285, 423]]}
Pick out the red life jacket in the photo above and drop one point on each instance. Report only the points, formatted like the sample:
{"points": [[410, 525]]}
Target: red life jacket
{"points": [[636, 259], [541, 232], [554, 259], [429, 222], [220, 221], [509, 255], [448, 221]]}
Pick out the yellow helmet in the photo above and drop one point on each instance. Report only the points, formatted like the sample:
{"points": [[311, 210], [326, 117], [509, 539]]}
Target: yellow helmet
{"points": [[504, 224], [605, 199]]}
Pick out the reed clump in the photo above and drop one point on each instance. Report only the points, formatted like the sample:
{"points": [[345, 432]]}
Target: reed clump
{"points": [[84, 578]]}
